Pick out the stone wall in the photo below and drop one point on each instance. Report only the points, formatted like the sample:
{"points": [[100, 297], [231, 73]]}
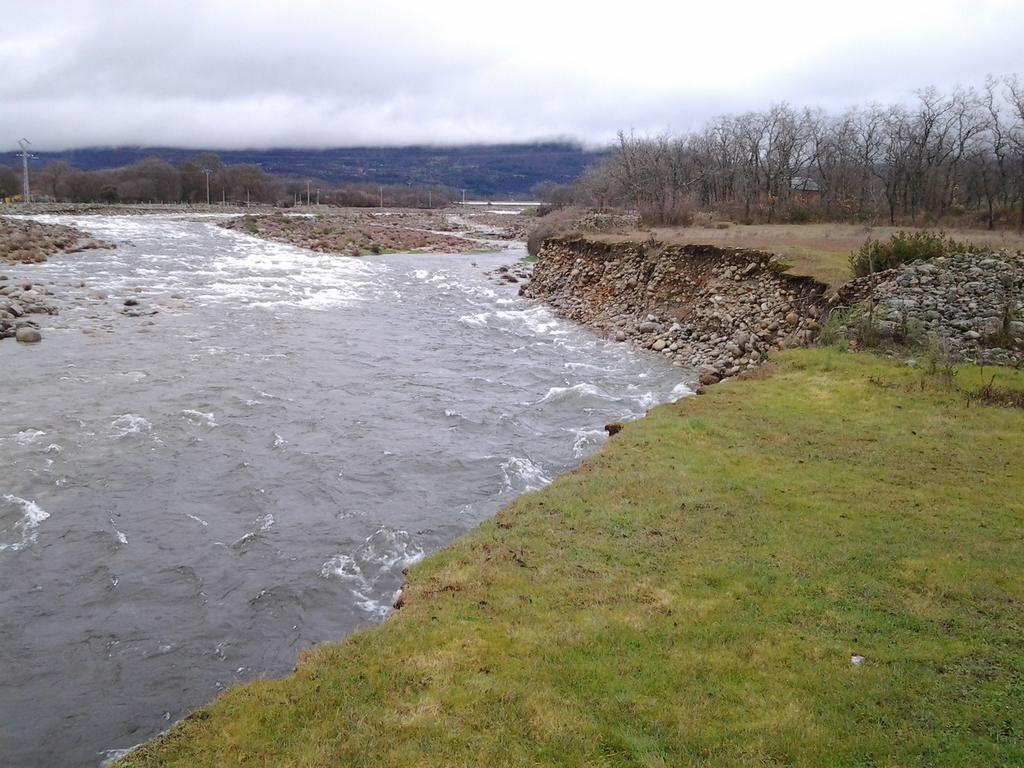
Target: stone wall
{"points": [[974, 304], [718, 310]]}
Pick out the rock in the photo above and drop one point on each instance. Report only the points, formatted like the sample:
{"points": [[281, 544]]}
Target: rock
{"points": [[613, 429], [659, 345], [131, 302], [792, 318], [619, 335], [28, 335], [707, 375]]}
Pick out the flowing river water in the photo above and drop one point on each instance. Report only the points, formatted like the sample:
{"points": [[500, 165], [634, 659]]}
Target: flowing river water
{"points": [[189, 499]]}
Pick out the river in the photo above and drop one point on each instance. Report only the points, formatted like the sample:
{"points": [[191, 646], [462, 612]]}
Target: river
{"points": [[189, 499]]}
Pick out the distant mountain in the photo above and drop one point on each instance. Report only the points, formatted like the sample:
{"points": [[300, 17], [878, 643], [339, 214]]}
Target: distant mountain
{"points": [[484, 171]]}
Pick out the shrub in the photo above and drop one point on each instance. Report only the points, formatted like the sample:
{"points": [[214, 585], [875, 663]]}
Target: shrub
{"points": [[904, 247], [678, 214], [551, 224], [797, 215]]}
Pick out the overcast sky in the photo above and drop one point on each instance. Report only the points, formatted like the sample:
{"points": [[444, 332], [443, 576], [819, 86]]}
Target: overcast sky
{"points": [[357, 72]]}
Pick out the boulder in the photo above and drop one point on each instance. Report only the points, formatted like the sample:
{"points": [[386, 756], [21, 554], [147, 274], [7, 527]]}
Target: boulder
{"points": [[28, 335], [708, 375]]}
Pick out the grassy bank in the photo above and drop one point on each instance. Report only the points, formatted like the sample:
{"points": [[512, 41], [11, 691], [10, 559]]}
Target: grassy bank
{"points": [[693, 596]]}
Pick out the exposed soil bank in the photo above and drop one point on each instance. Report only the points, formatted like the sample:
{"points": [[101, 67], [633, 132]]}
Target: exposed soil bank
{"points": [[788, 570], [720, 310]]}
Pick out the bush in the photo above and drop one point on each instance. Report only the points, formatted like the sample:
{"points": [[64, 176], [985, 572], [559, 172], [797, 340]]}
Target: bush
{"points": [[904, 247], [797, 215], [551, 224], [679, 214], [862, 327]]}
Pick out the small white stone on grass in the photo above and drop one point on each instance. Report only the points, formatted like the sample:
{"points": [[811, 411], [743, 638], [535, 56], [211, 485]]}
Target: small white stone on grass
{"points": [[857, 660]]}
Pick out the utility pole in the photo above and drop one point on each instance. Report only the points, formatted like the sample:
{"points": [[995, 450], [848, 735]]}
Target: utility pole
{"points": [[381, 190], [223, 196], [307, 194], [246, 197], [463, 198], [207, 171], [25, 194], [318, 197], [430, 203]]}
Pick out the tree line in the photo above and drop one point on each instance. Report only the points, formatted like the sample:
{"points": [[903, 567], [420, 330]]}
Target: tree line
{"points": [[945, 157], [207, 179]]}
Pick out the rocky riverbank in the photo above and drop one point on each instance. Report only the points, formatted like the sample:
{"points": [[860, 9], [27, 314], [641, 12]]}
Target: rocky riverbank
{"points": [[972, 304], [719, 310], [357, 232], [23, 241], [17, 302]]}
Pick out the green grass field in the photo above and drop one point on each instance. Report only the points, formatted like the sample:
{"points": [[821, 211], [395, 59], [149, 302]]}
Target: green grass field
{"points": [[693, 596]]}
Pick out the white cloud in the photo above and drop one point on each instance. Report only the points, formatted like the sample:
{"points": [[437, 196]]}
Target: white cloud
{"points": [[249, 74]]}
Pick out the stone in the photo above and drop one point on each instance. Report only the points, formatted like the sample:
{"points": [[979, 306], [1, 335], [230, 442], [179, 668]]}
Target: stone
{"points": [[659, 345], [708, 375], [28, 335]]}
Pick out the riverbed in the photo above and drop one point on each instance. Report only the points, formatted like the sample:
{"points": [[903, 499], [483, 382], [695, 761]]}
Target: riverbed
{"points": [[190, 498]]}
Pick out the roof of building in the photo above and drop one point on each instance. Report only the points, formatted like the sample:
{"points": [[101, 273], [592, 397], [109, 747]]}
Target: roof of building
{"points": [[804, 184]]}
